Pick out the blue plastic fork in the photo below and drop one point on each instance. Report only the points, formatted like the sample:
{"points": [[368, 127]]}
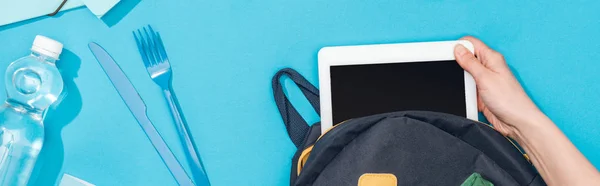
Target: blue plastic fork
{"points": [[157, 64]]}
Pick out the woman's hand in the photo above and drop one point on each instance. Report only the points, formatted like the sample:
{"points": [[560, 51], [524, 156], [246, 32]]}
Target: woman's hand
{"points": [[506, 105], [499, 95]]}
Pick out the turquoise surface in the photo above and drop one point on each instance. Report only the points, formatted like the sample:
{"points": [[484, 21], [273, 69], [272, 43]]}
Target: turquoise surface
{"points": [[225, 52]]}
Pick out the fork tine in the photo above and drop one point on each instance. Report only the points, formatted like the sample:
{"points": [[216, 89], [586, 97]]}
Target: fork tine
{"points": [[162, 49], [150, 47], [150, 28], [141, 49], [155, 48], [145, 47]]}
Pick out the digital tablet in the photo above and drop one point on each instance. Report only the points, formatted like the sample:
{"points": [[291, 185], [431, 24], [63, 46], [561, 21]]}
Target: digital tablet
{"points": [[357, 81]]}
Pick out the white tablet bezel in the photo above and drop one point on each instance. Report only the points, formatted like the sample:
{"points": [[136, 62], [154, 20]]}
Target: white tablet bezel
{"points": [[388, 53]]}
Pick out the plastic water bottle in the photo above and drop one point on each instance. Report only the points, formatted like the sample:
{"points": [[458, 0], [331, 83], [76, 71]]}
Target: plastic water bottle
{"points": [[33, 83]]}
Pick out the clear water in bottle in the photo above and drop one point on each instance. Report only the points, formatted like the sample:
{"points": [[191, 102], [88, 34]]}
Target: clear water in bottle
{"points": [[33, 83]]}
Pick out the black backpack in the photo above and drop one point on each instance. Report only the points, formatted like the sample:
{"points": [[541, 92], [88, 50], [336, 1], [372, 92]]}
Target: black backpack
{"points": [[398, 148]]}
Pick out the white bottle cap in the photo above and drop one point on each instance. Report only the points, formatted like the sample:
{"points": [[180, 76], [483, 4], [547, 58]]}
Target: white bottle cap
{"points": [[47, 46]]}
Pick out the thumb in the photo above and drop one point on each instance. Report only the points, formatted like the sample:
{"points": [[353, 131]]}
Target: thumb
{"points": [[467, 61]]}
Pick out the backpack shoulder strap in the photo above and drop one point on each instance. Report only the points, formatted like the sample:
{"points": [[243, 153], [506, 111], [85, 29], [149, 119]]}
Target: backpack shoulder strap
{"points": [[296, 126]]}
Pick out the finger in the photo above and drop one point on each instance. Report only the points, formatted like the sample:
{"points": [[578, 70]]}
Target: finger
{"points": [[480, 104], [480, 47], [490, 116], [498, 125], [488, 57], [468, 62]]}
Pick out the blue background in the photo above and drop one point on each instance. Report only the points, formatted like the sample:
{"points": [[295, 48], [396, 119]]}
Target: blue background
{"points": [[225, 52]]}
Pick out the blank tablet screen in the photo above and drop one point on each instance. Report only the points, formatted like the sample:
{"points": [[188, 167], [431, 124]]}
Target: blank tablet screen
{"points": [[362, 90]]}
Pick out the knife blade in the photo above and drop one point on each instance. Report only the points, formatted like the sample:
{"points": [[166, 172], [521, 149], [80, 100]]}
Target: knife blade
{"points": [[138, 108]]}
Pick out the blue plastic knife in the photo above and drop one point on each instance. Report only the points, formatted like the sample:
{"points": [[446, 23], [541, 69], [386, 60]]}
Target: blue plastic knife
{"points": [[138, 109]]}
